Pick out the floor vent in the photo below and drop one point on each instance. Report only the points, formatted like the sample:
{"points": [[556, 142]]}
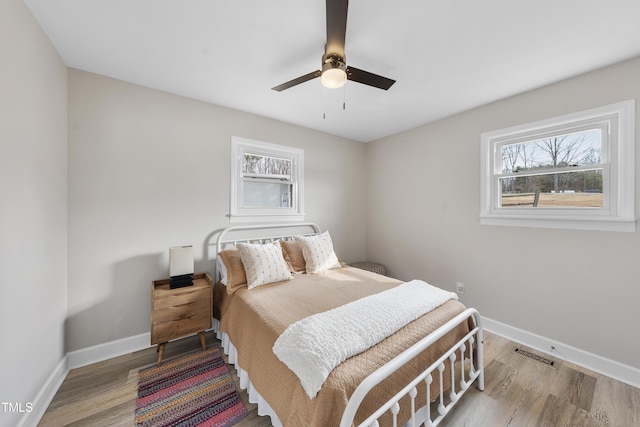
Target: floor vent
{"points": [[536, 357]]}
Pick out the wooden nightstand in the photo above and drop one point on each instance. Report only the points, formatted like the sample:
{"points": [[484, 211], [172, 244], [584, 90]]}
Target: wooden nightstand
{"points": [[179, 312]]}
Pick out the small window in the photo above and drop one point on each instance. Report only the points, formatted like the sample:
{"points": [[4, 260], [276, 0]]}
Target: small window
{"points": [[574, 171], [266, 181]]}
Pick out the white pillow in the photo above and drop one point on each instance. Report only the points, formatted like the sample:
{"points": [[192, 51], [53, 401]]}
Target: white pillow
{"points": [[222, 270], [318, 252], [263, 263]]}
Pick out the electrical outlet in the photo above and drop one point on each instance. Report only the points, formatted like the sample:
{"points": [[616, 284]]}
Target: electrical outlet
{"points": [[459, 288]]}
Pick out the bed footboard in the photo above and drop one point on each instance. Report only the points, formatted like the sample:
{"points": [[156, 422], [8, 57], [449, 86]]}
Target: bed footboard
{"points": [[464, 348]]}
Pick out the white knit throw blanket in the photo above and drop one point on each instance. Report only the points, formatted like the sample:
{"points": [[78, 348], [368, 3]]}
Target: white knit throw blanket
{"points": [[313, 346]]}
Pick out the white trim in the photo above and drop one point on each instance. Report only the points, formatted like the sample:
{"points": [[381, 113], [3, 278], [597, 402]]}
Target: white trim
{"points": [[77, 359], [237, 214], [563, 223], [45, 395], [108, 350], [616, 370], [251, 219], [619, 215]]}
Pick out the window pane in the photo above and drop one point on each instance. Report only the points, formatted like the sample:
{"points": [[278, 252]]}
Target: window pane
{"points": [[574, 149], [258, 165], [266, 194], [571, 189]]}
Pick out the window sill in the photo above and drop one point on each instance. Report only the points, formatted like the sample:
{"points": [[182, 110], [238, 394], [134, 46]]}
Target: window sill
{"points": [[599, 224], [248, 219]]}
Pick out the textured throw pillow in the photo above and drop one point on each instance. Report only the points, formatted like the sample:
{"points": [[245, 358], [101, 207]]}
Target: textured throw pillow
{"points": [[235, 275], [318, 253], [263, 263], [292, 251]]}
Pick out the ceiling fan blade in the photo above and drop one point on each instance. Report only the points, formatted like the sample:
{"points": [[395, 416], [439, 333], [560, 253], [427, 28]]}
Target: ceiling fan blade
{"points": [[367, 78], [336, 27], [312, 75]]}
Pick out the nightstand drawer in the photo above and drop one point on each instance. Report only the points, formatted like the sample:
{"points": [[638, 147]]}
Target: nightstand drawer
{"points": [[166, 331], [164, 298], [180, 312]]}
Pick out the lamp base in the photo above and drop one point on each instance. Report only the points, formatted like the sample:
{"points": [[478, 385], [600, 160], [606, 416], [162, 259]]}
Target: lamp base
{"points": [[181, 281]]}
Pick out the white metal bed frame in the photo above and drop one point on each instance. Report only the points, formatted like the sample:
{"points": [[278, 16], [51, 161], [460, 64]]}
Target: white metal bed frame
{"points": [[419, 416]]}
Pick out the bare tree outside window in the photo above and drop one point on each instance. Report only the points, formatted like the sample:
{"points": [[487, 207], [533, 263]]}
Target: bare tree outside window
{"points": [[258, 165], [546, 171]]}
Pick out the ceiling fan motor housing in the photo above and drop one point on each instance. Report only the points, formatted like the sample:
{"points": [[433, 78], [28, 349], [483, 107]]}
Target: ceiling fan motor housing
{"points": [[333, 61]]}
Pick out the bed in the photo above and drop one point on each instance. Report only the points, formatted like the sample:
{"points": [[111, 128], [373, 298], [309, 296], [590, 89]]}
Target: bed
{"points": [[413, 376]]}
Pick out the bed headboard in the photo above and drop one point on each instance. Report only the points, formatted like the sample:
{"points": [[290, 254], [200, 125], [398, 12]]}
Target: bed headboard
{"points": [[262, 233]]}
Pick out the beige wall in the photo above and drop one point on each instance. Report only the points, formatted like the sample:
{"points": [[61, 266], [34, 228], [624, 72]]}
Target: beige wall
{"points": [[33, 208], [577, 287], [149, 170]]}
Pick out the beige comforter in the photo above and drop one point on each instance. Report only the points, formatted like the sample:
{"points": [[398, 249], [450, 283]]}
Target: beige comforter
{"points": [[254, 320]]}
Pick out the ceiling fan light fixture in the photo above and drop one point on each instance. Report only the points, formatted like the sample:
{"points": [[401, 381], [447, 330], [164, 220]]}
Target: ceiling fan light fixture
{"points": [[334, 72], [334, 78]]}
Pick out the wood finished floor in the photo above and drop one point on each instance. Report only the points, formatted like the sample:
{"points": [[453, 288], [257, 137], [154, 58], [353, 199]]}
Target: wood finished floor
{"points": [[518, 392]]}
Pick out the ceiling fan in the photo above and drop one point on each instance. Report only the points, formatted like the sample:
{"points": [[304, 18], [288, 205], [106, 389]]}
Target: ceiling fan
{"points": [[335, 71]]}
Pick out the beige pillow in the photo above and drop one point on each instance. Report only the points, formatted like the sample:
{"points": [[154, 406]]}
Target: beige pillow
{"points": [[293, 255], [263, 264], [236, 277], [318, 253]]}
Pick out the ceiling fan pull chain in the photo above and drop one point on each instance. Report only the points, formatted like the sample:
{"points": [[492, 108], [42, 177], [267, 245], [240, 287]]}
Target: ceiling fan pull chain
{"points": [[344, 97], [324, 103]]}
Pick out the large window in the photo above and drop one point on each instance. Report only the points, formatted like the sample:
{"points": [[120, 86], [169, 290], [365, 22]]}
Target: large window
{"points": [[574, 171], [266, 181]]}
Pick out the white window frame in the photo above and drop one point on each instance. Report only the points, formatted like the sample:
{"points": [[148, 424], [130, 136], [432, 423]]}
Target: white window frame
{"points": [[618, 162], [238, 213]]}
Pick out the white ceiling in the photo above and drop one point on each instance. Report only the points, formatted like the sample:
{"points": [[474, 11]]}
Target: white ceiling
{"points": [[446, 55]]}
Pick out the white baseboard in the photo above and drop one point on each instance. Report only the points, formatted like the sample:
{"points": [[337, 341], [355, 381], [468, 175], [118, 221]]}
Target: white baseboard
{"points": [[41, 402], [610, 368], [77, 359], [100, 352]]}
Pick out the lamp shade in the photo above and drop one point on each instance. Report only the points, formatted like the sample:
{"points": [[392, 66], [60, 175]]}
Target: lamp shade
{"points": [[180, 260]]}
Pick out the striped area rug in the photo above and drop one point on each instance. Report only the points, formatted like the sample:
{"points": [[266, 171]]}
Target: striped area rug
{"points": [[194, 390]]}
